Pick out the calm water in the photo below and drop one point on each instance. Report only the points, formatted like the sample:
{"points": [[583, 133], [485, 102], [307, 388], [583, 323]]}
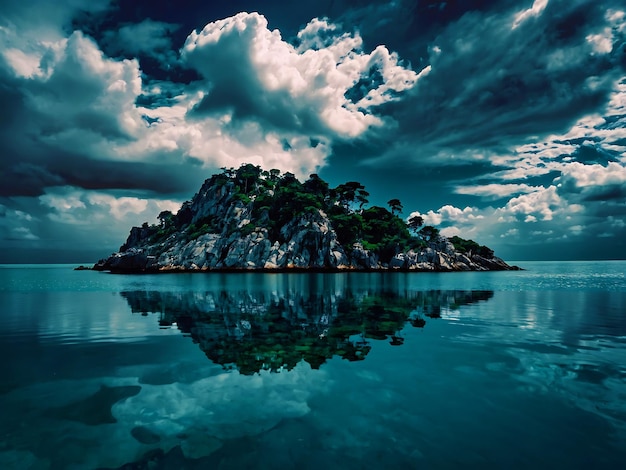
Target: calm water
{"points": [[397, 370]]}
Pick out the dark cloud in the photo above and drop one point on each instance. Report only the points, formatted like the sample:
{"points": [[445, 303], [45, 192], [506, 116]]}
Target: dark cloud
{"points": [[606, 194], [615, 120], [74, 105], [180, 21], [32, 159], [151, 43], [368, 82], [47, 19], [406, 26], [492, 84], [73, 88], [27, 179], [587, 153], [157, 94], [543, 180], [152, 38], [104, 114], [54, 168]]}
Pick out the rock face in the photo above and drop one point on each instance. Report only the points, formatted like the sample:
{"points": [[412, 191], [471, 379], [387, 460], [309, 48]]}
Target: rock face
{"points": [[217, 231]]}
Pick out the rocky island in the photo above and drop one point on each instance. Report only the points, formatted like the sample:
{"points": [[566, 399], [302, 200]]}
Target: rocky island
{"points": [[249, 219]]}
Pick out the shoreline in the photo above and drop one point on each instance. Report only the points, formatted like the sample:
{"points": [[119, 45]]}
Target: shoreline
{"points": [[295, 270]]}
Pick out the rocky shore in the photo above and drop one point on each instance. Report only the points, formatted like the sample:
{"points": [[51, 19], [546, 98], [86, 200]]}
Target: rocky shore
{"points": [[245, 256]]}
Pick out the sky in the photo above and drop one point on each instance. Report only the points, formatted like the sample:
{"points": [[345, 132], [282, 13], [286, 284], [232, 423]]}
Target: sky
{"points": [[501, 121]]}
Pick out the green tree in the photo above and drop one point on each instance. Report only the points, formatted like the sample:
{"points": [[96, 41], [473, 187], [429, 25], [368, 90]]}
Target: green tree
{"points": [[429, 233], [166, 219], [184, 214], [395, 205], [229, 172], [361, 197], [274, 173], [247, 177], [350, 192], [470, 247], [317, 186], [348, 226], [415, 222], [385, 233]]}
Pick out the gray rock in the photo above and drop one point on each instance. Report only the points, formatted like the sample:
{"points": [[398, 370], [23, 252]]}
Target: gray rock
{"points": [[399, 261]]}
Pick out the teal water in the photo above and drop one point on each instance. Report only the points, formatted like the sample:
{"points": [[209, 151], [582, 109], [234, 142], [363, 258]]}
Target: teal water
{"points": [[382, 370]]}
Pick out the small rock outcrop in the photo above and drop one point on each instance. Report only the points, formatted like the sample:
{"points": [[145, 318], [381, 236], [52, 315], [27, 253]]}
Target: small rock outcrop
{"points": [[253, 220]]}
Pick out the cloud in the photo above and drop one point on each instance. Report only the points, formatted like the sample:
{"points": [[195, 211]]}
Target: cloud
{"points": [[77, 121], [79, 207], [447, 214], [594, 182], [492, 87], [565, 187], [76, 96], [514, 111], [74, 121], [317, 34], [87, 92], [253, 74], [534, 11], [495, 190], [70, 219], [40, 21], [587, 161], [74, 221], [539, 217], [23, 233], [584, 176], [74, 104], [23, 64], [538, 205], [452, 220], [16, 225], [150, 38]]}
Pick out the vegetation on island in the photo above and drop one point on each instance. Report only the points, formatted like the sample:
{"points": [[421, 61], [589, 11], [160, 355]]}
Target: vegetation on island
{"points": [[274, 199]]}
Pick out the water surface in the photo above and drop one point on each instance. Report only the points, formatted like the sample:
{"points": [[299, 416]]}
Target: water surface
{"points": [[355, 370]]}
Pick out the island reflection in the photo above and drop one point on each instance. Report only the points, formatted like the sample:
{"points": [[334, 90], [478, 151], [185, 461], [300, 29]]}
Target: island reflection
{"points": [[254, 330]]}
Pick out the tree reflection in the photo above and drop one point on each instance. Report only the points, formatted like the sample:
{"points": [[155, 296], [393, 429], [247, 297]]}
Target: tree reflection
{"points": [[251, 331]]}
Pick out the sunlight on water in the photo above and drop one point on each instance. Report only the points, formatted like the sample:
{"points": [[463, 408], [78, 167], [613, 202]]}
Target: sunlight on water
{"points": [[382, 370]]}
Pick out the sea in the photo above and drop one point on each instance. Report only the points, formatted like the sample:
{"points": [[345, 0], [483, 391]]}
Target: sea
{"points": [[517, 369]]}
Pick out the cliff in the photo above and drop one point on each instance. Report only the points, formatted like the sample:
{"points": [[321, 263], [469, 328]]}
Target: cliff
{"points": [[248, 219]]}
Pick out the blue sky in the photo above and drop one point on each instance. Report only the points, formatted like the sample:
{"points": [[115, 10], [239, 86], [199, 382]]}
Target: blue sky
{"points": [[502, 121]]}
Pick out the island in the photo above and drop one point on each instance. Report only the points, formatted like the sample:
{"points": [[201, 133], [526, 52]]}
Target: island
{"points": [[249, 219]]}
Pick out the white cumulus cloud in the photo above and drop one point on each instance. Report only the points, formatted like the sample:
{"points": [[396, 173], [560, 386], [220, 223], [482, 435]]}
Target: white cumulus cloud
{"points": [[294, 87]]}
